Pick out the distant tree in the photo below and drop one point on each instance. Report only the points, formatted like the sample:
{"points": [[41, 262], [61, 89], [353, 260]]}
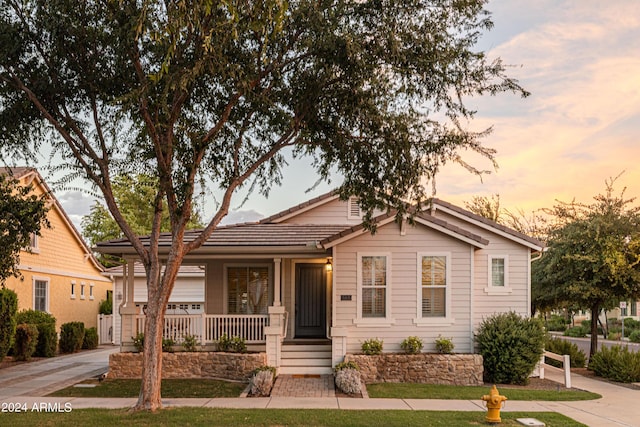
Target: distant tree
{"points": [[593, 256], [486, 207], [221, 91], [135, 195], [22, 214]]}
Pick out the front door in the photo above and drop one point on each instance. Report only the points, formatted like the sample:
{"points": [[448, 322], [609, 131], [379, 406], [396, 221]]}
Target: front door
{"points": [[311, 301]]}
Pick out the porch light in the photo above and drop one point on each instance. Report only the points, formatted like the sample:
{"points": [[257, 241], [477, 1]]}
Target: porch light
{"points": [[328, 265]]}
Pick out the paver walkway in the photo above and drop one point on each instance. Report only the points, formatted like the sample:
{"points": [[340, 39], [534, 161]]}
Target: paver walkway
{"points": [[304, 386]]}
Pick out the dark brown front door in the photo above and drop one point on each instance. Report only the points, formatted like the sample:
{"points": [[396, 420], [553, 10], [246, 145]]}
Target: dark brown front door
{"points": [[311, 301]]}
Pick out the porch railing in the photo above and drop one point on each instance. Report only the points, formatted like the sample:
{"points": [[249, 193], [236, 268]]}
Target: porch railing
{"points": [[208, 328]]}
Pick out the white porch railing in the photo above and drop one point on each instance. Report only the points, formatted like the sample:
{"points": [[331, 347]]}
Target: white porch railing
{"points": [[208, 328]]}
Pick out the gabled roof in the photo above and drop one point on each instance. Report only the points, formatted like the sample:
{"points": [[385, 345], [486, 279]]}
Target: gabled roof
{"points": [[301, 208], [31, 174]]}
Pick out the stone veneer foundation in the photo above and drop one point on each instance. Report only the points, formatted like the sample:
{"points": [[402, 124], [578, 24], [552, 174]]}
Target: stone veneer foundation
{"points": [[427, 368], [230, 366]]}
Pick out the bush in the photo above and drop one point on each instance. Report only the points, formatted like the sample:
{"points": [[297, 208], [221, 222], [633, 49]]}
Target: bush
{"points": [[47, 335], [560, 346], [346, 365], [138, 341], [262, 381], [8, 309], [510, 346], [106, 306], [91, 339], [25, 341], [576, 332], [71, 337], [444, 345], [635, 336], [631, 324], [556, 323], [412, 345], [348, 380], [372, 346], [232, 345], [190, 342], [616, 363], [167, 345]]}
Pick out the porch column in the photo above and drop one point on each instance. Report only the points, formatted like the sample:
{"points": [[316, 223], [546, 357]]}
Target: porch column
{"points": [[128, 309], [277, 282], [338, 345], [274, 333]]}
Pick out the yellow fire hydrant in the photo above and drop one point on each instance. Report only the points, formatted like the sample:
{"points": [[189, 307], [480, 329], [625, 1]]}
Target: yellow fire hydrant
{"points": [[494, 404]]}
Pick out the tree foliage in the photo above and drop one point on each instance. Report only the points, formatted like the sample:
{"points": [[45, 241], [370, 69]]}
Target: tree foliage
{"points": [[593, 256], [221, 91], [22, 214]]}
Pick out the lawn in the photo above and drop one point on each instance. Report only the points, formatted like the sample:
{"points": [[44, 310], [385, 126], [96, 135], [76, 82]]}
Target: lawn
{"points": [[271, 417], [170, 389], [429, 391]]}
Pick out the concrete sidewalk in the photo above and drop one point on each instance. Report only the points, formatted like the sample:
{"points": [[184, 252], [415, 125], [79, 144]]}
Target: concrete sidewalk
{"points": [[26, 383]]}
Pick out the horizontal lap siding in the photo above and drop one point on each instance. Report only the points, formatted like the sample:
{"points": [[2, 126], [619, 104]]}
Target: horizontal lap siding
{"points": [[404, 302]]}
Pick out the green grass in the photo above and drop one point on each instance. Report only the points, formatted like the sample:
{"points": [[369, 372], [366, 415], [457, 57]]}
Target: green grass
{"points": [[429, 391], [272, 417], [170, 389]]}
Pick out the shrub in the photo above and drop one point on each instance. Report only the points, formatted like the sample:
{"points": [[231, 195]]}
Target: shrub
{"points": [[631, 324], [560, 346], [635, 336], [614, 335], [348, 380], [372, 346], [616, 363], [25, 341], [71, 337], [47, 335], [167, 345], [510, 346], [106, 306], [91, 339], [444, 345], [138, 341], [262, 381], [232, 345], [556, 323], [8, 309], [346, 365], [412, 345], [190, 342], [576, 332]]}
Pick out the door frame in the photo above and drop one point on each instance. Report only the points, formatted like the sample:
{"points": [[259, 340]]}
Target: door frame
{"points": [[327, 289]]}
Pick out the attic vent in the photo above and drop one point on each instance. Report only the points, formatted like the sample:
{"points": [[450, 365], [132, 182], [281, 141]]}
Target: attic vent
{"points": [[354, 209]]}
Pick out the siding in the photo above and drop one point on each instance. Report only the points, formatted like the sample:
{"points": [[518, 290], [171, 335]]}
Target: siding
{"points": [[404, 271], [333, 212]]}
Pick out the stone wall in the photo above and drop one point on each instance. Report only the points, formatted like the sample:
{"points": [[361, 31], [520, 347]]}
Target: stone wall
{"points": [[230, 366], [428, 368]]}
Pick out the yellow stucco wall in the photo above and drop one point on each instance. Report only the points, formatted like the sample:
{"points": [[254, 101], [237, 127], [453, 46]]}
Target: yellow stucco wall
{"points": [[60, 260]]}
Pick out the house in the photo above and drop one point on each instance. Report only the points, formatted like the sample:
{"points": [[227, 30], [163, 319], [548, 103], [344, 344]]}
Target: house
{"points": [[310, 284], [60, 273]]}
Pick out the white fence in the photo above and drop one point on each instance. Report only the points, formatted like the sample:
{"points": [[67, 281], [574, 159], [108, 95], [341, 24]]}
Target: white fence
{"points": [[566, 366], [105, 328], [208, 328]]}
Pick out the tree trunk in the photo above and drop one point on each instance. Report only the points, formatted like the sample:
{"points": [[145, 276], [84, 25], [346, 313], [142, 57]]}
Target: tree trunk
{"points": [[595, 311]]}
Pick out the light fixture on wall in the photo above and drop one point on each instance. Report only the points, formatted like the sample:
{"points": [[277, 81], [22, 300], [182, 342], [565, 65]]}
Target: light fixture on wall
{"points": [[119, 296], [328, 265]]}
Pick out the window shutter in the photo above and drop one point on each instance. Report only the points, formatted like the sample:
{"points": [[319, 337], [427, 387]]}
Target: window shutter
{"points": [[354, 209]]}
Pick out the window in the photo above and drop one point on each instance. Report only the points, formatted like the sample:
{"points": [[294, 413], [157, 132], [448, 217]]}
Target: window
{"points": [[248, 290], [40, 295], [91, 291], [498, 275], [73, 290], [433, 289], [374, 289], [82, 291]]}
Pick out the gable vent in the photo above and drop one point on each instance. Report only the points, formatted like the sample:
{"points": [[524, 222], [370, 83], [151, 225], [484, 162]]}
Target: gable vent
{"points": [[354, 209]]}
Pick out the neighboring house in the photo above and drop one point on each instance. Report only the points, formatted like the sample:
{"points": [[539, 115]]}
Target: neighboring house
{"points": [[60, 275], [187, 297], [310, 284]]}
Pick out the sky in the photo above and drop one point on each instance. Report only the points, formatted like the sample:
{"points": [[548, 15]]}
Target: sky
{"points": [[579, 59]]}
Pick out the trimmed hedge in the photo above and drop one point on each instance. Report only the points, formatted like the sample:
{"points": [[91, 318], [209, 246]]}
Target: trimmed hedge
{"points": [[616, 363], [91, 339], [8, 309], [71, 337], [26, 340], [47, 336], [510, 346]]}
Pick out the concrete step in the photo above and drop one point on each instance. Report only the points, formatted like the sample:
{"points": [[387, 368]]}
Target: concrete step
{"points": [[306, 355], [306, 362], [305, 348], [305, 370]]}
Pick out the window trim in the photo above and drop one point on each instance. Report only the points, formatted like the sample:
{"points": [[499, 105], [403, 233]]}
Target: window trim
{"points": [[225, 268], [91, 287], [447, 319], [388, 320], [47, 282], [498, 290]]}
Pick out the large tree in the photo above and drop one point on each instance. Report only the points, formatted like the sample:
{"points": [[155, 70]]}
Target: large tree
{"points": [[22, 215], [593, 256], [223, 91], [134, 195]]}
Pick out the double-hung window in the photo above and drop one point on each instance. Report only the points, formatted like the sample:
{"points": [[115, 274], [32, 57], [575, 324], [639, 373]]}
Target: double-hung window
{"points": [[374, 288], [247, 289], [498, 274], [434, 288], [41, 295]]}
